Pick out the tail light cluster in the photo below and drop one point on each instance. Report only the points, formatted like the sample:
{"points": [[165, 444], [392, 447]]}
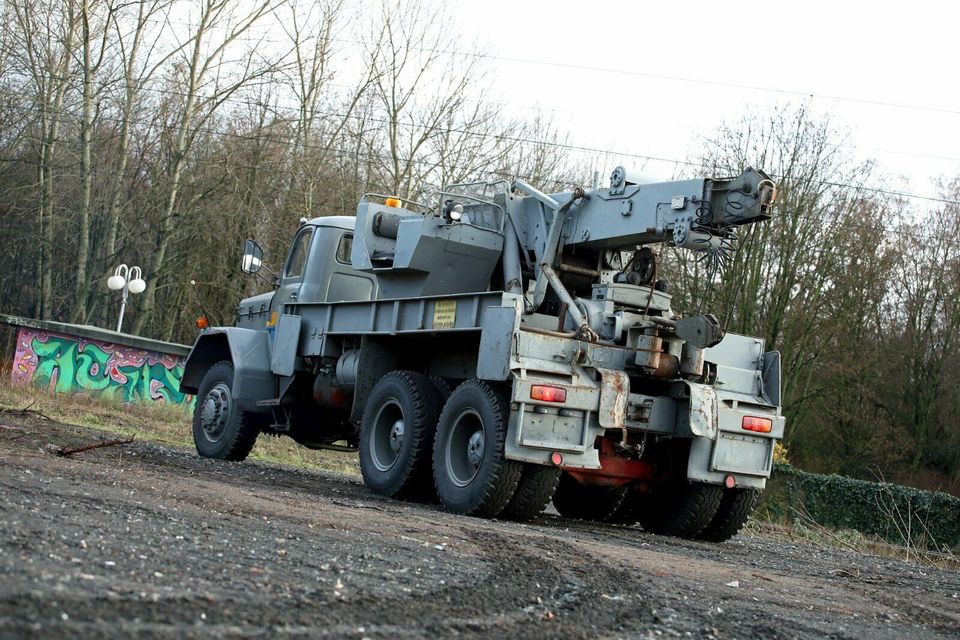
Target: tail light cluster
{"points": [[545, 393], [754, 423]]}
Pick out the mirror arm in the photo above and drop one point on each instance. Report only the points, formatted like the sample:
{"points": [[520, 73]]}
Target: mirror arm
{"points": [[273, 281], [268, 270]]}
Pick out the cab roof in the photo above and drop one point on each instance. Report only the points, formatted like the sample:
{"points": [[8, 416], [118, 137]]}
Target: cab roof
{"points": [[339, 222]]}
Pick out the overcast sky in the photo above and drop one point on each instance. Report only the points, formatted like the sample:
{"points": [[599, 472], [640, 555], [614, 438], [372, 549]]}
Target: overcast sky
{"points": [[849, 55]]}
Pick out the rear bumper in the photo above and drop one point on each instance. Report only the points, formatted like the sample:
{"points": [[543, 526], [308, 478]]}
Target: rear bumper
{"points": [[745, 455], [709, 417]]}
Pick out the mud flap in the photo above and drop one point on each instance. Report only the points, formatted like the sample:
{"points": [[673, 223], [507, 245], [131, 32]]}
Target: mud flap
{"points": [[614, 395], [703, 411]]}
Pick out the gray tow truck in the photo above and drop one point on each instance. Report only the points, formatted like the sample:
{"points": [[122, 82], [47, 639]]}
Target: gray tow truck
{"points": [[500, 347]]}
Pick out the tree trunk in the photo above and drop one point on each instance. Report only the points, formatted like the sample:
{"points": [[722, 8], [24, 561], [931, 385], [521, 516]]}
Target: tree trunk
{"points": [[81, 292]]}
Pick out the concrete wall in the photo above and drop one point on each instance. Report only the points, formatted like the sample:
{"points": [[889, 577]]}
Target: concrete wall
{"points": [[82, 359]]}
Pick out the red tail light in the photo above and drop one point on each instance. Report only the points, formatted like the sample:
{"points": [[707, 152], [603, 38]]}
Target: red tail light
{"points": [[760, 425], [545, 393]]}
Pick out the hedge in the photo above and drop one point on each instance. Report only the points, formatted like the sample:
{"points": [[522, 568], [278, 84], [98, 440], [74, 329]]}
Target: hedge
{"points": [[897, 514]]}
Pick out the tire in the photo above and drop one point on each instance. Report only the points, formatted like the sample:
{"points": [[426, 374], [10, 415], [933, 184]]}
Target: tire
{"points": [[582, 502], [682, 510], [735, 507], [535, 489], [220, 429], [443, 387], [396, 433], [470, 469]]}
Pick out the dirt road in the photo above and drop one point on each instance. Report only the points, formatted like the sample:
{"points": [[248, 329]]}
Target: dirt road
{"points": [[151, 541]]}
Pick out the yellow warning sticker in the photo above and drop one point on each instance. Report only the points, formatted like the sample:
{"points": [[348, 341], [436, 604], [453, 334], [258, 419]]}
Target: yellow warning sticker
{"points": [[444, 314]]}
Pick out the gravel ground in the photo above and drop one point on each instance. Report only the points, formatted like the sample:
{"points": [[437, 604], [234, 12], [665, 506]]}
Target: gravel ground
{"points": [[151, 541]]}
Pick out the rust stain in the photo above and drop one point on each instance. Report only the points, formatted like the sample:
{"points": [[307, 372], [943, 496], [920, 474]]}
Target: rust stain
{"points": [[667, 366], [614, 392]]}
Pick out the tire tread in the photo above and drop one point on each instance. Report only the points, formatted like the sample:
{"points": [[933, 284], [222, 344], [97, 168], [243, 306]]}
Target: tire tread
{"points": [[735, 508], [414, 479], [535, 489], [504, 475], [247, 425], [683, 512]]}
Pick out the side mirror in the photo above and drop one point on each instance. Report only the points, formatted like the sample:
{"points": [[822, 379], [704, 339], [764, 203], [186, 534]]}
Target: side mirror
{"points": [[252, 257]]}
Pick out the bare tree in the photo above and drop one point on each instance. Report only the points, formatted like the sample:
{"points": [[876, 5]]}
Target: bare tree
{"points": [[424, 95], [94, 18], [925, 325], [206, 83], [44, 41], [782, 282], [130, 42]]}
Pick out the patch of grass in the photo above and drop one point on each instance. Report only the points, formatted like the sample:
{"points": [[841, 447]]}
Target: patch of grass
{"points": [[169, 424]]}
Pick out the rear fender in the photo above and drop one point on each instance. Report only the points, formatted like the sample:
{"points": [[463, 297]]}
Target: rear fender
{"points": [[247, 349]]}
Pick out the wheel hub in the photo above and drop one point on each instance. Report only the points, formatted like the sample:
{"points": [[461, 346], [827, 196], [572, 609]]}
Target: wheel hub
{"points": [[386, 436], [215, 414], [396, 436], [464, 447], [475, 449]]}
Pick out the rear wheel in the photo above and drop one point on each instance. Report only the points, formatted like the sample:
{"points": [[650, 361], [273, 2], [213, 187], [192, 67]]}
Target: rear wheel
{"points": [[682, 509], [535, 489], [443, 386], [396, 433], [735, 507], [629, 510], [586, 502], [220, 429], [470, 468]]}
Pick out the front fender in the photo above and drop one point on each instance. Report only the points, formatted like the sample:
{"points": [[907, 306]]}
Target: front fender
{"points": [[247, 349]]}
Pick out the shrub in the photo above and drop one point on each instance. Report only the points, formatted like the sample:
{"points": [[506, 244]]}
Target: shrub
{"points": [[897, 514]]}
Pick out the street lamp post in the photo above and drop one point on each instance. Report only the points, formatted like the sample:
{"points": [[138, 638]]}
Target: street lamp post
{"points": [[129, 280]]}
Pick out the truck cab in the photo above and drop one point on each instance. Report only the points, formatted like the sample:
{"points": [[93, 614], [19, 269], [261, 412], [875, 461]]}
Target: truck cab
{"points": [[317, 269]]}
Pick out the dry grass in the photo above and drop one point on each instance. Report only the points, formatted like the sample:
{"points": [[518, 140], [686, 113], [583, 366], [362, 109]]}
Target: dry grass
{"points": [[165, 423], [808, 531]]}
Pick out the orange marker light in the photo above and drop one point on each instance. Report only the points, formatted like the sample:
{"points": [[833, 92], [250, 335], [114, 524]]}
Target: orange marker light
{"points": [[202, 322], [760, 425], [548, 394], [392, 202]]}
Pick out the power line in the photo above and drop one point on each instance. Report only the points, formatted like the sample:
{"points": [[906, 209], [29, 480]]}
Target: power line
{"points": [[252, 35], [673, 78], [625, 72], [580, 148]]}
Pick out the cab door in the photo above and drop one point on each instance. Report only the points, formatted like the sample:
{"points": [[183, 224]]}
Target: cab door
{"points": [[291, 279]]}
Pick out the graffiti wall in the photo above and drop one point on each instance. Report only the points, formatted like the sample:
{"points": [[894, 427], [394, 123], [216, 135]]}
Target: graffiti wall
{"points": [[68, 363]]}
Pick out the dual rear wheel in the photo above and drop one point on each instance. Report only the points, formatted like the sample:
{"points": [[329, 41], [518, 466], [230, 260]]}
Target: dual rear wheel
{"points": [[682, 509], [411, 434]]}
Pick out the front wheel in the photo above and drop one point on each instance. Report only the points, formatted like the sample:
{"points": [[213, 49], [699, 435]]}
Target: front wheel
{"points": [[470, 468], [220, 429]]}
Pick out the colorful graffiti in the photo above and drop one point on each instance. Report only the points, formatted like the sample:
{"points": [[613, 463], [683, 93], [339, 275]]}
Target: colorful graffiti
{"points": [[66, 363]]}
